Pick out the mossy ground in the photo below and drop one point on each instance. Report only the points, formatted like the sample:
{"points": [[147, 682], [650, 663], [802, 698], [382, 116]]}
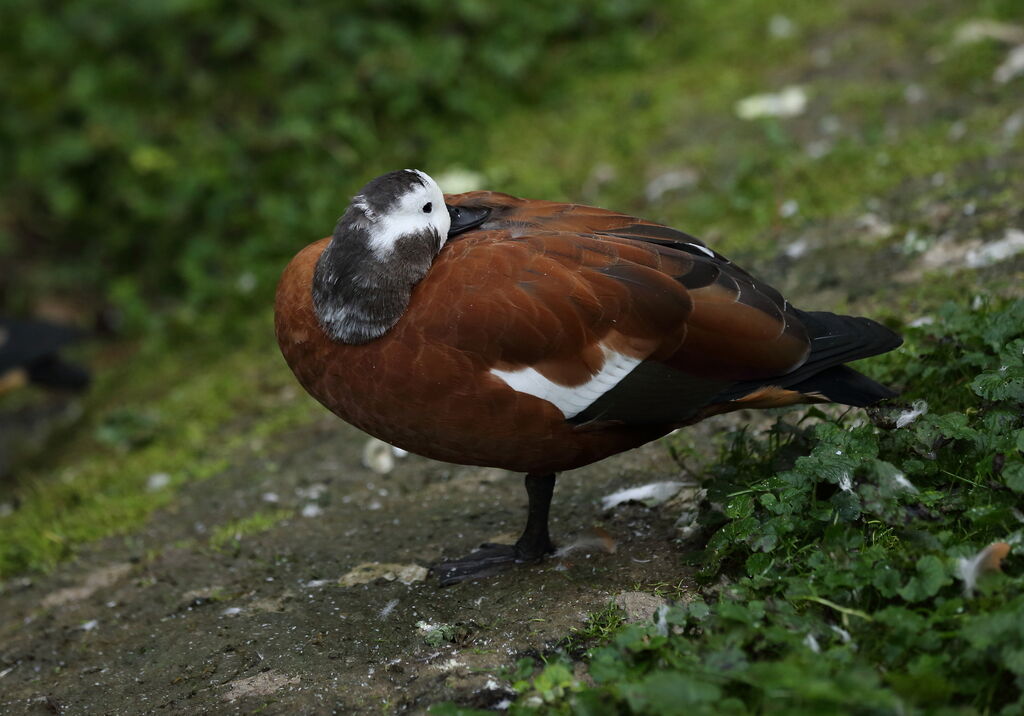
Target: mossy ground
{"points": [[907, 147]]}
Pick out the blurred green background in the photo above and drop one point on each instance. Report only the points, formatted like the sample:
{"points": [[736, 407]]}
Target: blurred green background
{"points": [[166, 158], [177, 152]]}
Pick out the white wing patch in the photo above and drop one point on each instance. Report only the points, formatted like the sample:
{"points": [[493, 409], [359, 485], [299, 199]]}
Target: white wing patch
{"points": [[571, 399]]}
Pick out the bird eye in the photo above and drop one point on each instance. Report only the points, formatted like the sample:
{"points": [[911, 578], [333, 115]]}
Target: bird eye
{"points": [[428, 207]]}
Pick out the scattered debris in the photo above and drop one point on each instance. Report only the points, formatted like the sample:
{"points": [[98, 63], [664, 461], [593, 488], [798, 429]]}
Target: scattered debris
{"points": [[458, 180], [271, 604], [916, 410], [789, 208], [845, 481], [595, 540], [651, 495], [90, 625], [232, 611], [246, 282], [914, 94], [386, 610], [946, 253], [996, 251], [990, 559], [789, 102], [843, 634], [900, 479], [670, 181], [874, 227], [262, 684], [312, 510], [1012, 67], [438, 634], [450, 665], [313, 492], [157, 481], [811, 643], [1013, 124], [600, 176], [796, 249], [372, 571], [379, 456], [100, 579], [781, 27], [638, 606], [818, 148], [974, 31], [271, 497], [202, 595]]}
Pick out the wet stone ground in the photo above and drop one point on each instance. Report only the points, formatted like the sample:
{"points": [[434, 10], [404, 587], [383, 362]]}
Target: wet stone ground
{"points": [[180, 618]]}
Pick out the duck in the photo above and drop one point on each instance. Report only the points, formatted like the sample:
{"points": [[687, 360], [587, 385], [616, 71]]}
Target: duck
{"points": [[539, 336]]}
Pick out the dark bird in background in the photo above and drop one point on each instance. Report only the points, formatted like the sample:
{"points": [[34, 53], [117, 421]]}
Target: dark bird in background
{"points": [[535, 336], [30, 353]]}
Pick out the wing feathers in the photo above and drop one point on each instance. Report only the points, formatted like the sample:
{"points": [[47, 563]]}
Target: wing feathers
{"points": [[615, 319]]}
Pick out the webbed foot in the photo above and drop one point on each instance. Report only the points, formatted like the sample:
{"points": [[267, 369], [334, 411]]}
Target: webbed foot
{"points": [[492, 558], [488, 559]]}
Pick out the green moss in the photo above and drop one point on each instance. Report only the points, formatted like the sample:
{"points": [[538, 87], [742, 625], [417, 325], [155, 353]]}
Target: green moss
{"points": [[204, 413], [232, 532]]}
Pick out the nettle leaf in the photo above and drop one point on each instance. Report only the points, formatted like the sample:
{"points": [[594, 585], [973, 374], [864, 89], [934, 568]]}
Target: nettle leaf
{"points": [[931, 576], [1001, 327], [666, 692], [1013, 475], [953, 425], [1004, 384], [740, 506], [749, 614], [767, 538], [771, 503], [1013, 659], [758, 563], [886, 580], [1007, 381], [901, 619], [1004, 628], [847, 505]]}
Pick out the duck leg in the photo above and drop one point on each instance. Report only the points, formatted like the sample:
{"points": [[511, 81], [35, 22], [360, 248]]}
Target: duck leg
{"points": [[490, 558]]}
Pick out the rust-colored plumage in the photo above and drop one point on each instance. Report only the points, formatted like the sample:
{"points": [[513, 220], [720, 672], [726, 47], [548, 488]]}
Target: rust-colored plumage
{"points": [[553, 293]]}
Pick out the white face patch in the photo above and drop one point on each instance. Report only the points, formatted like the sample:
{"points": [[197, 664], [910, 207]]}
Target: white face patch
{"points": [[571, 399], [421, 208]]}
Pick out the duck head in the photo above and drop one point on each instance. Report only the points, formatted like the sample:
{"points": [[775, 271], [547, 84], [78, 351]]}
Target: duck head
{"points": [[382, 246]]}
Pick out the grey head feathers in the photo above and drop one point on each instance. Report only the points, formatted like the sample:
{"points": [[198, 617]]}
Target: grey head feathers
{"points": [[382, 246]]}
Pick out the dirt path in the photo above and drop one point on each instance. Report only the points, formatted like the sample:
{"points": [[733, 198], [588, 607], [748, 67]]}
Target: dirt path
{"points": [[180, 618]]}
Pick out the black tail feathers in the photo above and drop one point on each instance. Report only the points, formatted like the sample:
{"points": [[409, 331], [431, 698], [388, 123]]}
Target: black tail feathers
{"points": [[835, 340], [842, 384]]}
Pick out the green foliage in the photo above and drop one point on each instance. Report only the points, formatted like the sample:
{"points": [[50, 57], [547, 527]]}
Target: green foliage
{"points": [[156, 149], [836, 555]]}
